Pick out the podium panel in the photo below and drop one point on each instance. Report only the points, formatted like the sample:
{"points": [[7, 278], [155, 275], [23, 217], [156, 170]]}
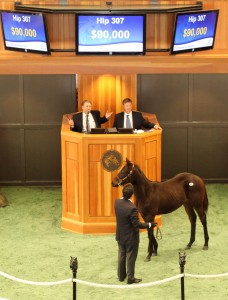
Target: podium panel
{"points": [[87, 192]]}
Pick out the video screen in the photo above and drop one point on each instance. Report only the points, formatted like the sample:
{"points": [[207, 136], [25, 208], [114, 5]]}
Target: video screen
{"points": [[110, 34], [194, 31], [25, 32]]}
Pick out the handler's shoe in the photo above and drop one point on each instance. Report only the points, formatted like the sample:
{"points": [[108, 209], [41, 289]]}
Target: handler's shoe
{"points": [[135, 280], [122, 279]]}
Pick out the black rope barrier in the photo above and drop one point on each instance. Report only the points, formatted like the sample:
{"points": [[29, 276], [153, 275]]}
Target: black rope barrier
{"points": [[74, 268], [74, 280]]}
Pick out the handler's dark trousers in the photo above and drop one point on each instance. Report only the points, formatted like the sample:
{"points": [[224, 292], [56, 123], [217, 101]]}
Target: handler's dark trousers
{"points": [[126, 261]]}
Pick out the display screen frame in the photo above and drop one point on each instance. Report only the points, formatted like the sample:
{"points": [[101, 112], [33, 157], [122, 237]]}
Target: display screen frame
{"points": [[195, 44], [99, 49], [41, 46]]}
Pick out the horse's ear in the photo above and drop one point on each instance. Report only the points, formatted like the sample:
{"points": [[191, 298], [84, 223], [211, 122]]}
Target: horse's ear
{"points": [[128, 161]]}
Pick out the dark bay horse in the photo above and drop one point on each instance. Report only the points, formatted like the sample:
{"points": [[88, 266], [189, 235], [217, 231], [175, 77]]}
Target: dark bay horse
{"points": [[155, 198]]}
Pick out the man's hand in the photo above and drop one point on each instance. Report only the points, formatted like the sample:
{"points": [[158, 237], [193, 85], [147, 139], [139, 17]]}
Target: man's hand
{"points": [[108, 114], [71, 123], [152, 224], [157, 127]]}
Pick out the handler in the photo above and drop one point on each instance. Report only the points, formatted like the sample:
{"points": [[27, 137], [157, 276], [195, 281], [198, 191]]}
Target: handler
{"points": [[127, 234]]}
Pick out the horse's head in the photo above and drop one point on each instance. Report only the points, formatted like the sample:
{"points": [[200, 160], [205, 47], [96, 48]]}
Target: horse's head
{"points": [[125, 174]]}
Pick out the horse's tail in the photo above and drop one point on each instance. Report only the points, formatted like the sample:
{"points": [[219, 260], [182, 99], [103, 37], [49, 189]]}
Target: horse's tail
{"points": [[196, 182], [205, 201]]}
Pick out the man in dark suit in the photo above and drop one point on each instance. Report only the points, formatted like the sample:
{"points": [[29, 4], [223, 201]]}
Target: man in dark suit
{"points": [[87, 118], [127, 234], [132, 119]]}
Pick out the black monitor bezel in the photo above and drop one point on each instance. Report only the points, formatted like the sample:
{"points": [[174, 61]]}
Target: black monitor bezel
{"points": [[24, 50], [141, 53], [192, 50]]}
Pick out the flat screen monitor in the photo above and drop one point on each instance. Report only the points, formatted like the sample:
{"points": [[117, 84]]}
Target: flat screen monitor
{"points": [[98, 131], [25, 32], [194, 31], [122, 34], [125, 130]]}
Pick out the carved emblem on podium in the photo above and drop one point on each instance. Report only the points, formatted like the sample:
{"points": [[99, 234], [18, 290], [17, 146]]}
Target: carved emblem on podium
{"points": [[111, 160]]}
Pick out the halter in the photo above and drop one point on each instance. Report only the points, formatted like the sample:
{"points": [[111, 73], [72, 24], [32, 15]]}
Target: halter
{"points": [[128, 175]]}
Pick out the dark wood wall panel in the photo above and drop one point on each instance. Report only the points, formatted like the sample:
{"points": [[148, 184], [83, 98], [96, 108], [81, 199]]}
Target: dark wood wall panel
{"points": [[193, 111], [209, 98], [174, 151], [43, 155], [10, 99], [164, 94], [210, 152], [31, 110], [11, 168], [46, 98]]}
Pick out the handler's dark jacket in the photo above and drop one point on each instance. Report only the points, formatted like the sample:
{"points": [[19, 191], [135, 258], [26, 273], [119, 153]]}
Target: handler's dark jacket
{"points": [[127, 222]]}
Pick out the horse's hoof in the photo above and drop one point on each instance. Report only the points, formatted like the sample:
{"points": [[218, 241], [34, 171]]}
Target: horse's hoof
{"points": [[188, 247], [205, 247], [147, 259], [154, 254]]}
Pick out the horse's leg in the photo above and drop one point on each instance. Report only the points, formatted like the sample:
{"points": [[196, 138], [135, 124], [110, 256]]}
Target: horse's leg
{"points": [[155, 244], [192, 218], [152, 246], [149, 235], [203, 219]]}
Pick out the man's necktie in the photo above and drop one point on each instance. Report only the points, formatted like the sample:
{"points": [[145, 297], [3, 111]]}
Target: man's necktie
{"points": [[128, 122], [87, 123]]}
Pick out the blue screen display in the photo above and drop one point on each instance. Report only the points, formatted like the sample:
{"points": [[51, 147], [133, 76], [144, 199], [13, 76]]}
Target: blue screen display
{"points": [[24, 32], [110, 34], [194, 31]]}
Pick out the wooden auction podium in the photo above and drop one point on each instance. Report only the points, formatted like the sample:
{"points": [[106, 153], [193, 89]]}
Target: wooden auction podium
{"points": [[88, 196]]}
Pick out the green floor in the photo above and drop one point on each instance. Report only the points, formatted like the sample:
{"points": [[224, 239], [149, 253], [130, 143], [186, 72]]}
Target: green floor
{"points": [[33, 247]]}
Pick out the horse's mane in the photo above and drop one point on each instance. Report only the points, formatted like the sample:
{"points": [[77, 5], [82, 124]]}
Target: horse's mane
{"points": [[143, 189], [142, 173]]}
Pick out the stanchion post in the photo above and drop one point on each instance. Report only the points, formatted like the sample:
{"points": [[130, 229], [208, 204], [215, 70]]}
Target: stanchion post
{"points": [[74, 268], [182, 261]]}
